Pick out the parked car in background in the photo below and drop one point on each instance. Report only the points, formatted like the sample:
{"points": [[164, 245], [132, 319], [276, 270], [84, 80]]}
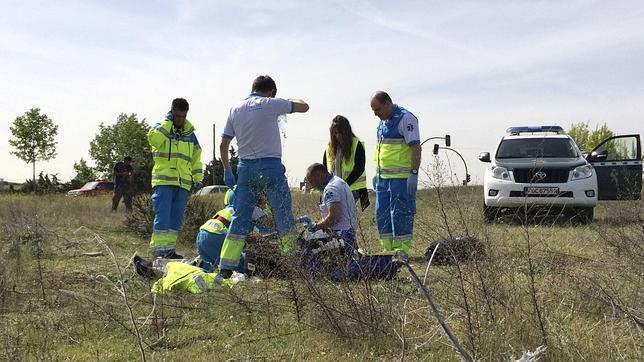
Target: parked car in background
{"points": [[93, 188], [542, 166], [212, 189]]}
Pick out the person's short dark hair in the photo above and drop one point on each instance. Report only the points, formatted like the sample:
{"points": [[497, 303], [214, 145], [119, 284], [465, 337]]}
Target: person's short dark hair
{"points": [[264, 84], [180, 104], [127, 158], [316, 167], [382, 97]]}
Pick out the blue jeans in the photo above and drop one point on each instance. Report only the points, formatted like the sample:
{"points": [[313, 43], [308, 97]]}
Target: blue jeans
{"points": [[395, 209], [253, 176]]}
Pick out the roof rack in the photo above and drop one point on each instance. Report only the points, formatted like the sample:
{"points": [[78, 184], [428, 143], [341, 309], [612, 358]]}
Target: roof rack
{"points": [[532, 129]]}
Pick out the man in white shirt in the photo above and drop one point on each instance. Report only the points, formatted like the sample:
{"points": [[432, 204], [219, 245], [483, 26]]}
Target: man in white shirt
{"points": [[337, 205], [253, 122]]}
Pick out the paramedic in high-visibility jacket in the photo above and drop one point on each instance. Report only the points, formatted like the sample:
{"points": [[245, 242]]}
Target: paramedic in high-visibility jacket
{"points": [[177, 170], [253, 122], [397, 160]]}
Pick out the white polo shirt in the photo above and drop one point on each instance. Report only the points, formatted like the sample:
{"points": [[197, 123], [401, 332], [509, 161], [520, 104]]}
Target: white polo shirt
{"points": [[338, 191], [253, 122]]}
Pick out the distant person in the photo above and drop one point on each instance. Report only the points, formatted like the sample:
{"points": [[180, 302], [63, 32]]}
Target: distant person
{"points": [[253, 122], [397, 161], [345, 157], [122, 178], [177, 169]]}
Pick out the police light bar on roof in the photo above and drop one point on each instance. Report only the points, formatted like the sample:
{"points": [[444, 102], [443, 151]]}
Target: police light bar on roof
{"points": [[537, 129]]}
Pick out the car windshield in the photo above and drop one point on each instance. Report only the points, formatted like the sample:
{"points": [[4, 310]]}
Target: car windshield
{"points": [[89, 185], [204, 191], [537, 148]]}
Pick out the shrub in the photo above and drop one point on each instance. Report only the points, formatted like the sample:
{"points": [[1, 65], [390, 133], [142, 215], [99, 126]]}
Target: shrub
{"points": [[198, 210]]}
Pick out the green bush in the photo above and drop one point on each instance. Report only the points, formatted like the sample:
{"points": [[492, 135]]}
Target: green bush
{"points": [[198, 210]]}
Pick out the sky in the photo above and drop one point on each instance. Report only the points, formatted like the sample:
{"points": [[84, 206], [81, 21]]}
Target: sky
{"points": [[468, 68]]}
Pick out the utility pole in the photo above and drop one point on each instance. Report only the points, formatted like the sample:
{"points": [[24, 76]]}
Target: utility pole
{"points": [[214, 151]]}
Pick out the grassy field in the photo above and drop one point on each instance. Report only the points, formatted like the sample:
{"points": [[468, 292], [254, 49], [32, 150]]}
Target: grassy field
{"points": [[576, 289]]}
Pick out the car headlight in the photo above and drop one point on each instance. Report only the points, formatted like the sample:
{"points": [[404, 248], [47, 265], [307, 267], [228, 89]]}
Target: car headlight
{"points": [[500, 172], [582, 172]]}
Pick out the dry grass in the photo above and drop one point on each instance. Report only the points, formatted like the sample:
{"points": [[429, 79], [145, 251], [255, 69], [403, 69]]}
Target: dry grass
{"points": [[577, 289]]}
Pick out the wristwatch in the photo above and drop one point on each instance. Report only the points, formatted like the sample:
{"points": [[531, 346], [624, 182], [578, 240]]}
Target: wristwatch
{"points": [[415, 172]]}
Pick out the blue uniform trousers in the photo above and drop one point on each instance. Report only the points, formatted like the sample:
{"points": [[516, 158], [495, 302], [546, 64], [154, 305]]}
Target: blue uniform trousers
{"points": [[395, 209], [169, 204]]}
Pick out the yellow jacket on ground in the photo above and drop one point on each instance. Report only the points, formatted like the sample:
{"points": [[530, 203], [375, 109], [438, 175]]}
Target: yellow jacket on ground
{"points": [[181, 276]]}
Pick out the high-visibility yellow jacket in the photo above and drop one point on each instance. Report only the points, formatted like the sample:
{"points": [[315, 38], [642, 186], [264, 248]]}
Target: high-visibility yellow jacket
{"points": [[176, 155], [393, 155], [219, 223], [347, 165], [181, 276]]}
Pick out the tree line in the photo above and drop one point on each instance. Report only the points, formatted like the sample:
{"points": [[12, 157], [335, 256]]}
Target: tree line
{"points": [[34, 140]]}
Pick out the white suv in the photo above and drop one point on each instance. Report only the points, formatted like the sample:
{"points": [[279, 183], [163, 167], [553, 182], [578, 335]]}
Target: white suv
{"points": [[542, 166]]}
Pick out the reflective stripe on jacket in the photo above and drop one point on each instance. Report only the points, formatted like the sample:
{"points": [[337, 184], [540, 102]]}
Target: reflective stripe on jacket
{"points": [[219, 223], [181, 276], [393, 155], [347, 165], [177, 157]]}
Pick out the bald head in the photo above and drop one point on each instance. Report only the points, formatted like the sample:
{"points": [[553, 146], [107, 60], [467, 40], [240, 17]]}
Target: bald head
{"points": [[317, 175], [382, 105]]}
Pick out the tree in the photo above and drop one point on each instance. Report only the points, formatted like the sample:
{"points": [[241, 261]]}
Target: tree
{"points": [[581, 134], [34, 138], [128, 137], [217, 168], [587, 139], [44, 184], [84, 174]]}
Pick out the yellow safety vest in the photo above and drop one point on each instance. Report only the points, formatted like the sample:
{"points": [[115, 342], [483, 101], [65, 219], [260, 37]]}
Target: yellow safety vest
{"points": [[347, 165], [393, 155], [177, 159]]}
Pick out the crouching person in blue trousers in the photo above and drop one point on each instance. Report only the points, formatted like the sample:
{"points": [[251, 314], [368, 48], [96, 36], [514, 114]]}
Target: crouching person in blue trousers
{"points": [[212, 233]]}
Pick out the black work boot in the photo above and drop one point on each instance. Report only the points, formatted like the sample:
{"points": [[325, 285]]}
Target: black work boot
{"points": [[225, 273], [143, 267], [172, 255]]}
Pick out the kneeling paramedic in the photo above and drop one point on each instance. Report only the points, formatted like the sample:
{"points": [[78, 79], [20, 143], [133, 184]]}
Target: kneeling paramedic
{"points": [[177, 169], [253, 122], [212, 233], [337, 207]]}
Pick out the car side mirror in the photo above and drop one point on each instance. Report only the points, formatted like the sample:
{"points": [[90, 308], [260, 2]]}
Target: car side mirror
{"points": [[598, 156], [484, 157]]}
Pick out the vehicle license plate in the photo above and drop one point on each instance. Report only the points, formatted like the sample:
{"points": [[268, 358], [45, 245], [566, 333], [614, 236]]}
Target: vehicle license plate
{"points": [[541, 191]]}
